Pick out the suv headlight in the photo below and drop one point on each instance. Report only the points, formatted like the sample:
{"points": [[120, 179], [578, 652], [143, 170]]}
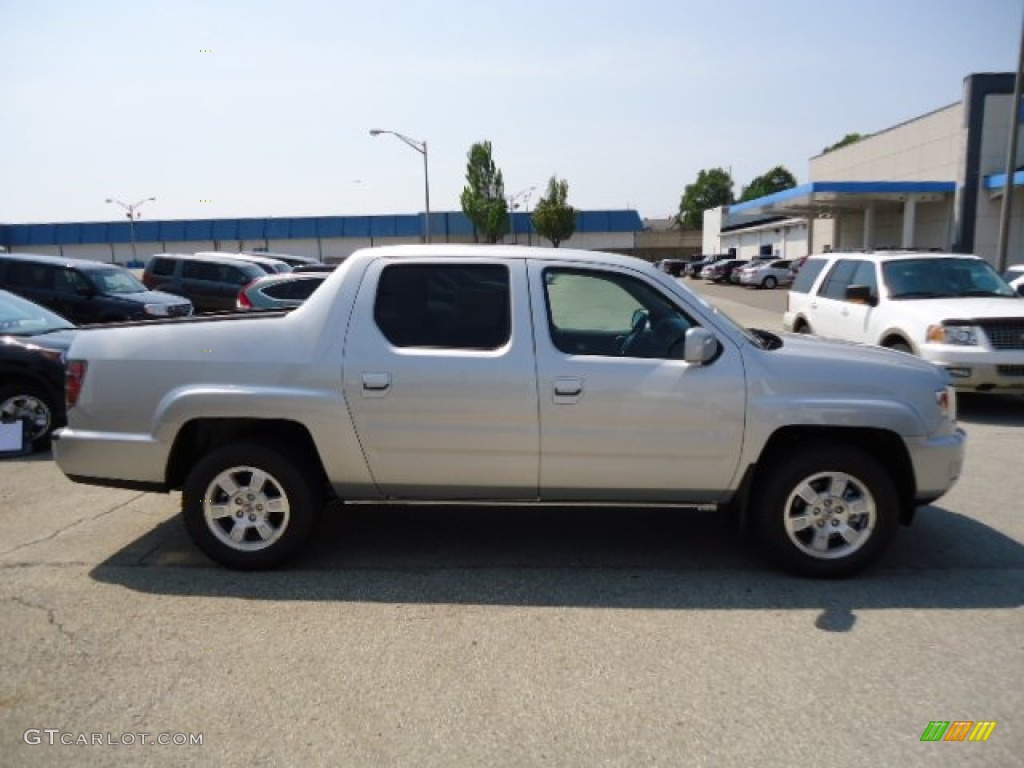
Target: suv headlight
{"points": [[964, 335], [157, 310]]}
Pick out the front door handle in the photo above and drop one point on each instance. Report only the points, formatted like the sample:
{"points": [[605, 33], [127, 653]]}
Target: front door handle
{"points": [[568, 390]]}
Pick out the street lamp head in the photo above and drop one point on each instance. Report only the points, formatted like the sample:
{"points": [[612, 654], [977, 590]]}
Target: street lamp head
{"points": [[109, 200], [376, 131]]}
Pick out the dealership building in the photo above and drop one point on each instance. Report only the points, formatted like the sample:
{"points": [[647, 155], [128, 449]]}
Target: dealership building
{"points": [[329, 238], [933, 182]]}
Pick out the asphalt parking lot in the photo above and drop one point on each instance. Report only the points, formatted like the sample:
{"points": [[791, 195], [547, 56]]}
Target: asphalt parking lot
{"points": [[490, 636]]}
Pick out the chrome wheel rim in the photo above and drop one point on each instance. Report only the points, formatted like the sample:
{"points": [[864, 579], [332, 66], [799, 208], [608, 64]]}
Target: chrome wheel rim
{"points": [[246, 508], [830, 515], [28, 406]]}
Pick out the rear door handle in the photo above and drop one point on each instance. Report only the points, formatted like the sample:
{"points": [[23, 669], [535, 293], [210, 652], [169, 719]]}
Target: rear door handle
{"points": [[376, 384]]}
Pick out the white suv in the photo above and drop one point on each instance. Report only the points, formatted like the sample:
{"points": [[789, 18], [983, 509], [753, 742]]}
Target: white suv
{"points": [[951, 309]]}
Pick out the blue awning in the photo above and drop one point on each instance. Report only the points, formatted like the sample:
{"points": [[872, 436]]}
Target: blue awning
{"points": [[827, 197]]}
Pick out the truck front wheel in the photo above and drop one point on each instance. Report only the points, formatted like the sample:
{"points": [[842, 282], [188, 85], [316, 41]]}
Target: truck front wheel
{"points": [[829, 511], [248, 507]]}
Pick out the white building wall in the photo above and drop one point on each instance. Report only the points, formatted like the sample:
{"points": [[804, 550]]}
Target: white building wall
{"points": [[787, 240], [712, 241], [928, 148]]}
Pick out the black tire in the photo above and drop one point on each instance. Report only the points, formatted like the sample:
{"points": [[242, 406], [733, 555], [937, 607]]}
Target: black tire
{"points": [[769, 282], [803, 327], [900, 346], [258, 514], [808, 537], [18, 400]]}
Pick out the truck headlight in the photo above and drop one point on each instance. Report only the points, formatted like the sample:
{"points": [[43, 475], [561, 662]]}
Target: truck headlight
{"points": [[157, 310], [963, 335], [945, 398]]}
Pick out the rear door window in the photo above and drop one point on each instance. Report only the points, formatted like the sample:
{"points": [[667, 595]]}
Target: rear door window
{"points": [[839, 277], [444, 306], [162, 267], [201, 270], [29, 275], [807, 275]]}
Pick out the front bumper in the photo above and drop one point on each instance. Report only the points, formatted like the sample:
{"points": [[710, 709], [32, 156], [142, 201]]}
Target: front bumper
{"points": [[938, 462], [978, 369]]}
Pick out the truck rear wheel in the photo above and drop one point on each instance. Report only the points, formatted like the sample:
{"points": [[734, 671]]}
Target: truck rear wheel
{"points": [[248, 507], [828, 511]]}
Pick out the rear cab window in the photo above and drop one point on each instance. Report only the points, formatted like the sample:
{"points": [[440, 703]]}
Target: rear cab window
{"points": [[444, 306]]}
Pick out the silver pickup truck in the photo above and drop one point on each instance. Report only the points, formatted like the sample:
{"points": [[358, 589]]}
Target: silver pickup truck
{"points": [[489, 374]]}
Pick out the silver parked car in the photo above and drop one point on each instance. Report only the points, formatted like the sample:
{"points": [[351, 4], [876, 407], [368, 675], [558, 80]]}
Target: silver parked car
{"points": [[279, 291], [766, 274]]}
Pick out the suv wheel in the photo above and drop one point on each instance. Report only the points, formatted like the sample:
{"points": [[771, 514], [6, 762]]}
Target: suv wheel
{"points": [[900, 346], [20, 401], [829, 511], [769, 282], [248, 507]]}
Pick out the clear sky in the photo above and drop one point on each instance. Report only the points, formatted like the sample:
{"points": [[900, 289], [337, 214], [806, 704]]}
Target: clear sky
{"points": [[225, 108]]}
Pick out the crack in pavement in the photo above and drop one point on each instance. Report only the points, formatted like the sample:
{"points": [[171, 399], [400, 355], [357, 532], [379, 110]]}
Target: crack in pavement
{"points": [[51, 617], [69, 526]]}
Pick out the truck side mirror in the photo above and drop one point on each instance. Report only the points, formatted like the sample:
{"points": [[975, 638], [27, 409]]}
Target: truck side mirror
{"points": [[699, 346]]}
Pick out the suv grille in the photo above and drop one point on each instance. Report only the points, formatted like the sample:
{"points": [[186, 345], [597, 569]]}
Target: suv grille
{"points": [[1004, 334], [1010, 370]]}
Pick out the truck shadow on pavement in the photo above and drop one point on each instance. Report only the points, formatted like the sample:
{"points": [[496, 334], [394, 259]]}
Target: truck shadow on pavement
{"points": [[583, 557]]}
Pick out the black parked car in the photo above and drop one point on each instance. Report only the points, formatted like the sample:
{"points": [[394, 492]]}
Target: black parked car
{"points": [[674, 267], [86, 291], [33, 341]]}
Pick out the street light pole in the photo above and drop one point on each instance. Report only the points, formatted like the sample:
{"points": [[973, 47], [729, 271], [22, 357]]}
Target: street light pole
{"points": [[421, 147], [513, 205], [131, 220]]}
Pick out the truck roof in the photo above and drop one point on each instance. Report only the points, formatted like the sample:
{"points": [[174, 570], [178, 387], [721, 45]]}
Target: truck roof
{"points": [[474, 251]]}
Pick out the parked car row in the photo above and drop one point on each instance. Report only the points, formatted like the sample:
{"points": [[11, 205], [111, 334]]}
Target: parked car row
{"points": [[43, 298], [765, 271], [216, 282]]}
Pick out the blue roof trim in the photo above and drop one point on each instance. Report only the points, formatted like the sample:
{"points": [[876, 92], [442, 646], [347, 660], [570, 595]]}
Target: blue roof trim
{"points": [[998, 180], [846, 188], [442, 223]]}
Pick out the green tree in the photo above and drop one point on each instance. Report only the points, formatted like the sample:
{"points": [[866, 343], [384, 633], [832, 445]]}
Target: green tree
{"points": [[850, 138], [553, 217], [711, 189], [483, 199], [776, 180]]}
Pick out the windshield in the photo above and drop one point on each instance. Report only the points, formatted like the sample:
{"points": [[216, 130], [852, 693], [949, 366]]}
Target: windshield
{"points": [[19, 317], [115, 281], [943, 278]]}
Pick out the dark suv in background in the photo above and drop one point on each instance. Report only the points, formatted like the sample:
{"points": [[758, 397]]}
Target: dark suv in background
{"points": [[693, 269], [86, 291], [210, 282]]}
